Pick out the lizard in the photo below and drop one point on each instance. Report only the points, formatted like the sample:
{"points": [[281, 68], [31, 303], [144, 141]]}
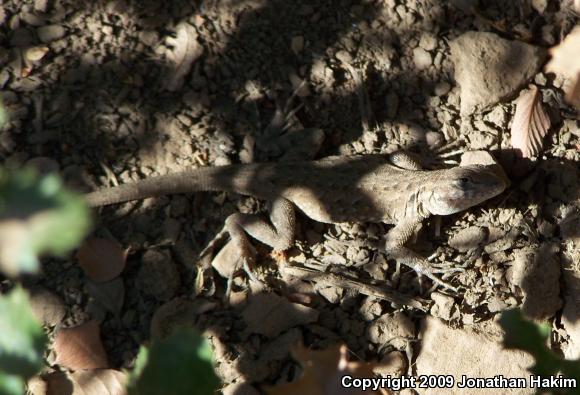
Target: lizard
{"points": [[391, 189]]}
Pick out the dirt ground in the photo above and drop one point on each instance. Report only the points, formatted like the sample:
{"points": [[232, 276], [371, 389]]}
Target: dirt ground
{"points": [[109, 92]]}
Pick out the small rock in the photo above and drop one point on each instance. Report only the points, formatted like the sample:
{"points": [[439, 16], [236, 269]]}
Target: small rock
{"points": [[458, 352], [269, 314], [497, 116], [442, 88], [50, 33], [571, 313], [393, 329], [428, 42], [371, 308], [239, 389], [394, 364], [421, 58], [21, 38], [537, 272], [32, 19], [149, 38], [344, 56], [443, 307], [297, 44], [41, 5], [477, 158], [46, 306], [434, 139], [468, 238], [540, 5], [332, 294], [158, 276], [489, 68]]}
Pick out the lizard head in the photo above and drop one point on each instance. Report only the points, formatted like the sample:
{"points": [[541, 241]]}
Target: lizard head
{"points": [[462, 187]]}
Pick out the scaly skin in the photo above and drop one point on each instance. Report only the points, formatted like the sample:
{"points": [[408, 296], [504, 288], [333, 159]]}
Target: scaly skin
{"points": [[365, 188]]}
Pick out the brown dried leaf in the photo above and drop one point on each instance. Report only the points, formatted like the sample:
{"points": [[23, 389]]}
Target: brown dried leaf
{"points": [[87, 382], [323, 371], [101, 259], [531, 123], [566, 63], [186, 50], [80, 347]]}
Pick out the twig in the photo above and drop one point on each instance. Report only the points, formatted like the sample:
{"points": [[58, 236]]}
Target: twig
{"points": [[335, 280]]}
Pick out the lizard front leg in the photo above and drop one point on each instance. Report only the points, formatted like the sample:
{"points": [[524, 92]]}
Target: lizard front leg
{"points": [[395, 242], [278, 233]]}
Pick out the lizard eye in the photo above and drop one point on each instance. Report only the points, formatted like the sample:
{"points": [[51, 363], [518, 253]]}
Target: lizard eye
{"points": [[464, 181]]}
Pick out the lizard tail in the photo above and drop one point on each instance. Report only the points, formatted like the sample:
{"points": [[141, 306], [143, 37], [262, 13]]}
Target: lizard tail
{"points": [[193, 180]]}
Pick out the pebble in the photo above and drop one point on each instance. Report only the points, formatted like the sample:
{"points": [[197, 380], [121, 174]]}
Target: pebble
{"points": [[149, 38], [483, 74], [468, 238], [443, 307], [442, 88], [297, 44], [41, 5], [46, 306], [344, 56], [434, 139], [393, 329], [428, 42], [21, 38], [32, 19], [421, 58], [50, 33], [158, 277]]}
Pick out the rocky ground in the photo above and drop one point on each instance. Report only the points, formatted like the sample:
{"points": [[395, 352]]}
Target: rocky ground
{"points": [[110, 92]]}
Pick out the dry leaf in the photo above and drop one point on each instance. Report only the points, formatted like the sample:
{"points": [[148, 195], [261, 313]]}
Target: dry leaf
{"points": [[531, 123], [80, 347], [87, 382], [186, 50], [101, 259], [323, 371], [565, 62]]}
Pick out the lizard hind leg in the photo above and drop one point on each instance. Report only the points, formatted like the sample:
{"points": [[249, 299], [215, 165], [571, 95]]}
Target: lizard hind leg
{"points": [[277, 233]]}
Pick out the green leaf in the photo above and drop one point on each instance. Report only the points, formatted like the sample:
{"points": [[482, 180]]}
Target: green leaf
{"points": [[528, 336], [22, 340], [179, 364], [37, 216], [11, 385]]}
